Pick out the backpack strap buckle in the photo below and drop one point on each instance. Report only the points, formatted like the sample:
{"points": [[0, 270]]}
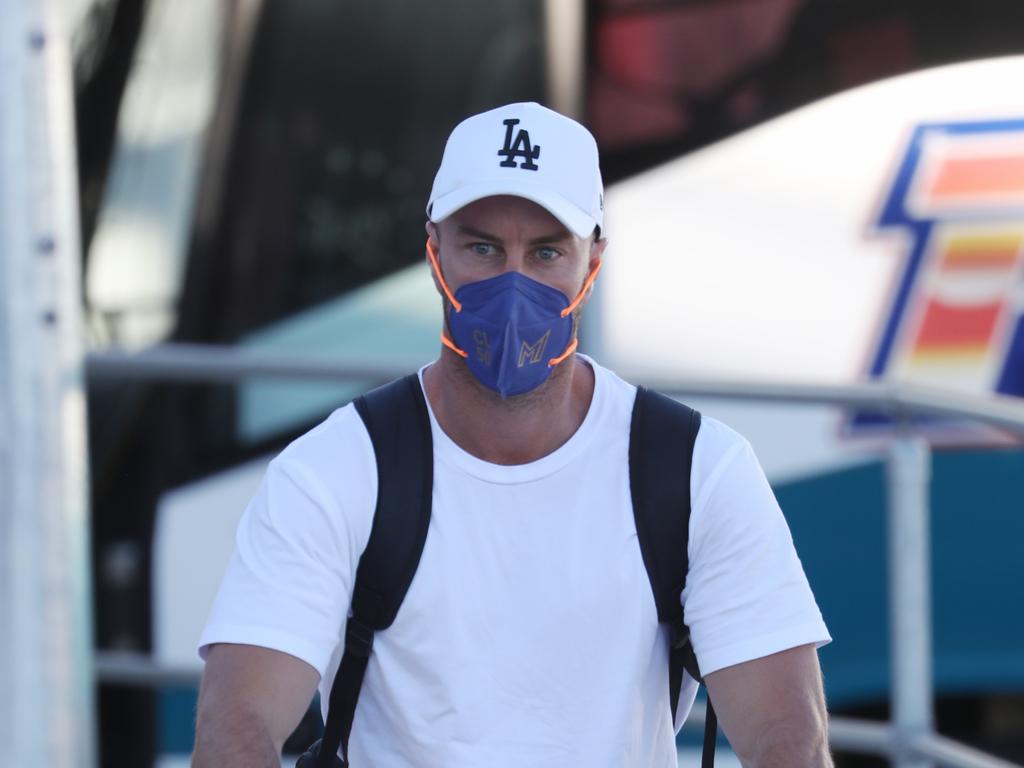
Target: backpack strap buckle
{"points": [[679, 633], [358, 638]]}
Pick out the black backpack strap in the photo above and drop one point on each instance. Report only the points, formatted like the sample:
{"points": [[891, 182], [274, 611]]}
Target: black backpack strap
{"points": [[661, 440], [397, 420]]}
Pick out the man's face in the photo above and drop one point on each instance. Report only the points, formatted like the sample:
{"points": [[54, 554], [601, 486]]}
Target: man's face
{"points": [[511, 234]]}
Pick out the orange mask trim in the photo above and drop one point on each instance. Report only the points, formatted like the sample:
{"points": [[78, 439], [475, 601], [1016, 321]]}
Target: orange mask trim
{"points": [[457, 305], [432, 255], [583, 291], [451, 345], [575, 303], [568, 351]]}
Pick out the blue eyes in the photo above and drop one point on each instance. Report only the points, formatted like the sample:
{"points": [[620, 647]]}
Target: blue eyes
{"points": [[547, 254], [541, 254]]}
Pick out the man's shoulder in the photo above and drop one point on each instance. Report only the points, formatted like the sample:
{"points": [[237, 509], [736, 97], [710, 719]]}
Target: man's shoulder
{"points": [[717, 439], [338, 443], [720, 451], [716, 443]]}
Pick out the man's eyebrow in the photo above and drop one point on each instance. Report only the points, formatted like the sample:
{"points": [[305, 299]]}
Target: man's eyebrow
{"points": [[464, 230], [554, 237]]}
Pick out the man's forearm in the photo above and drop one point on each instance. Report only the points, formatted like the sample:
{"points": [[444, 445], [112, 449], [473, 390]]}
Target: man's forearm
{"points": [[784, 747], [237, 739], [250, 700]]}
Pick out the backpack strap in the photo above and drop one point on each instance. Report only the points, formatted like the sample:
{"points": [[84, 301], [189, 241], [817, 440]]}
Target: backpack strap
{"points": [[661, 440], [397, 420]]}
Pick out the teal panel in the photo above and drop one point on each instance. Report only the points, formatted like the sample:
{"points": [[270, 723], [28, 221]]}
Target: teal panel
{"points": [[838, 524], [176, 726], [978, 561]]}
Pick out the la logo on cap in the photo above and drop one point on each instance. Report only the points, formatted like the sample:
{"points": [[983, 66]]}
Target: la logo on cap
{"points": [[568, 186], [521, 147]]}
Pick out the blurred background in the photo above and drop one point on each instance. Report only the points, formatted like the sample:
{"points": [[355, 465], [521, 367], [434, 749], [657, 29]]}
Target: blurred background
{"points": [[254, 172]]}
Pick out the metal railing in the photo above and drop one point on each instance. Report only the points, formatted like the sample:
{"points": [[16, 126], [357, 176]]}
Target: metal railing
{"points": [[46, 713], [910, 739]]}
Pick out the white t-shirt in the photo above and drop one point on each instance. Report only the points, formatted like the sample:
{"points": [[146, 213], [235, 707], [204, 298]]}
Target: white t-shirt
{"points": [[529, 635]]}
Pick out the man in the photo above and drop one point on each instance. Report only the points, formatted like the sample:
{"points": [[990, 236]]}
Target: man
{"points": [[529, 635]]}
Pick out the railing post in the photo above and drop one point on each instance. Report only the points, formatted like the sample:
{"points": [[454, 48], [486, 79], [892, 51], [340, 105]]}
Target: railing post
{"points": [[46, 677], [909, 475]]}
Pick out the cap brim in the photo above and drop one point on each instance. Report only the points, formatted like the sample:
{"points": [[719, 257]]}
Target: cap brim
{"points": [[574, 219]]}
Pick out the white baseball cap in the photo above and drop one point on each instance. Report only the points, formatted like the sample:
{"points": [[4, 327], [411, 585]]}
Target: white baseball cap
{"points": [[524, 150]]}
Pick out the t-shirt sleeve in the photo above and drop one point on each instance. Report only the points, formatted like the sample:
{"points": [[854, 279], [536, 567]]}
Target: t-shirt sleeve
{"points": [[746, 593], [288, 584]]}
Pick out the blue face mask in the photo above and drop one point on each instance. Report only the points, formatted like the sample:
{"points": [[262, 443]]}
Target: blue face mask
{"points": [[511, 330]]}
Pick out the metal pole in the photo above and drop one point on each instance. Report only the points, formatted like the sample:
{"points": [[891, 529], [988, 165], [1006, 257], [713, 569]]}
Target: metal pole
{"points": [[140, 669], [910, 597], [565, 45], [46, 707], [209, 363]]}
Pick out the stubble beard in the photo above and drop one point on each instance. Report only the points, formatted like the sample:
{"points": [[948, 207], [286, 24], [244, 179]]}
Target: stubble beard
{"points": [[524, 401]]}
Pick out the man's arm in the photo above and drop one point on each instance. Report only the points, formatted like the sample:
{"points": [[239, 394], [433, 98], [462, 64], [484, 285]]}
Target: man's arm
{"points": [[250, 701], [772, 710]]}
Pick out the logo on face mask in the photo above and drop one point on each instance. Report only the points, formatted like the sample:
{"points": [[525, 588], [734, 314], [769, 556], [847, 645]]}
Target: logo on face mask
{"points": [[520, 147], [483, 347], [533, 353]]}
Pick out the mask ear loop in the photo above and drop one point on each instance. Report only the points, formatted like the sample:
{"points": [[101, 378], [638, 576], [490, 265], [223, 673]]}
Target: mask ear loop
{"points": [[568, 310], [583, 291], [456, 304]]}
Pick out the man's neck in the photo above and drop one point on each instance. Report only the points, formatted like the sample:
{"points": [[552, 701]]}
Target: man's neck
{"points": [[514, 431]]}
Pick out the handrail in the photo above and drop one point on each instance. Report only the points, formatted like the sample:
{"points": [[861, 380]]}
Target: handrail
{"points": [[131, 668], [222, 363], [899, 401]]}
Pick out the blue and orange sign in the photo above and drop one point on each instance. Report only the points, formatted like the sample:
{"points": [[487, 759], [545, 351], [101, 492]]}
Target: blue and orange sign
{"points": [[957, 318]]}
